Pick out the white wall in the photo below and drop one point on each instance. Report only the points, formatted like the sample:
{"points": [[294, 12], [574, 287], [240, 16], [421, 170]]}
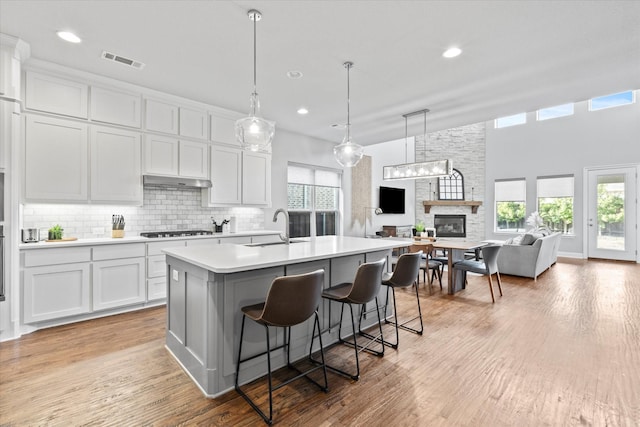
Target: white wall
{"points": [[565, 145]]}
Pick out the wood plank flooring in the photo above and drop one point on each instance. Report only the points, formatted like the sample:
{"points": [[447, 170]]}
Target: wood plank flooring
{"points": [[564, 350]]}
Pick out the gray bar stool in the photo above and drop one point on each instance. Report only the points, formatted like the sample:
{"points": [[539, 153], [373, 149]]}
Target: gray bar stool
{"points": [[291, 300], [365, 288], [405, 275]]}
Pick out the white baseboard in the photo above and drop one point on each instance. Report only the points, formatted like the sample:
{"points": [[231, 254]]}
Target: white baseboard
{"points": [[577, 255]]}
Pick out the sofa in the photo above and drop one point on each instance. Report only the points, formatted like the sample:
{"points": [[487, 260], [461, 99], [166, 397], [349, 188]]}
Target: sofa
{"points": [[529, 255]]}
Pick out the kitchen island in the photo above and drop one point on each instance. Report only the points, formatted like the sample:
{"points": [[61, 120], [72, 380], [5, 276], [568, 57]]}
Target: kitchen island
{"points": [[207, 286]]}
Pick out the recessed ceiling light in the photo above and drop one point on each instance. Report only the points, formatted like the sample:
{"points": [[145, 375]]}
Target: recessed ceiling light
{"points": [[294, 74], [69, 37], [452, 52], [302, 111]]}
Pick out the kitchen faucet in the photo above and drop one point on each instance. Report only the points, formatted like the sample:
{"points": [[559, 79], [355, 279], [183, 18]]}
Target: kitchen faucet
{"points": [[286, 226]]}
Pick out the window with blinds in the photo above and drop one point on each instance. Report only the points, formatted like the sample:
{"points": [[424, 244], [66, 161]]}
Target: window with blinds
{"points": [[313, 200], [555, 202], [510, 197]]}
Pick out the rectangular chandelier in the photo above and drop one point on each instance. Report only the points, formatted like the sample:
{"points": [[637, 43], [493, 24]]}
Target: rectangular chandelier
{"points": [[431, 169]]}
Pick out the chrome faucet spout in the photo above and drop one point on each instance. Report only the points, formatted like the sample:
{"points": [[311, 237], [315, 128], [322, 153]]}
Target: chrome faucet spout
{"points": [[284, 238]]}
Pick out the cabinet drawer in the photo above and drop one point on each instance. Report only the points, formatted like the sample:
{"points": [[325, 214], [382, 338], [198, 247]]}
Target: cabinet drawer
{"points": [[156, 266], [33, 258], [156, 248], [156, 288], [127, 250]]}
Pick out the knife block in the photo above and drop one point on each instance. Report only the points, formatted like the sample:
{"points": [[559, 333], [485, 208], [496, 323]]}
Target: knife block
{"points": [[117, 233]]}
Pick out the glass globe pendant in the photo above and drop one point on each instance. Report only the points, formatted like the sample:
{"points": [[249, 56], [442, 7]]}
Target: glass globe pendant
{"points": [[348, 153], [253, 132]]}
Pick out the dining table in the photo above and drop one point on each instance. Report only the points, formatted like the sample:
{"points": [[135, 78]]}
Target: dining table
{"points": [[456, 250]]}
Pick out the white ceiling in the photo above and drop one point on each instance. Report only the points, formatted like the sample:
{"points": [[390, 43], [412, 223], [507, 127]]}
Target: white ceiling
{"points": [[517, 55]]}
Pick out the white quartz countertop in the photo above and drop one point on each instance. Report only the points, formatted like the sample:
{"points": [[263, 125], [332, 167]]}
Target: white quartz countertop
{"points": [[229, 258], [139, 239]]}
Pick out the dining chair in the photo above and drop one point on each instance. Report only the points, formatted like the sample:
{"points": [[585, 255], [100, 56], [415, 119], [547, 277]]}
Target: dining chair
{"points": [[488, 266]]}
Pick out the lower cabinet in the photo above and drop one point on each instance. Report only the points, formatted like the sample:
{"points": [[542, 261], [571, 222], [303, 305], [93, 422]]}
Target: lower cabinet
{"points": [[118, 282], [56, 291]]}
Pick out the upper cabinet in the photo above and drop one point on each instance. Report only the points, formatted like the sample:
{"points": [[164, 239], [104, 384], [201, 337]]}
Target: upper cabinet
{"points": [[171, 157], [116, 172], [194, 123], [223, 130], [56, 95], [56, 158], [239, 178], [161, 116], [116, 107]]}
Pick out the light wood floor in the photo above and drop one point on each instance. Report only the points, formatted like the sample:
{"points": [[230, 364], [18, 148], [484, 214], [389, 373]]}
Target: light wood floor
{"points": [[564, 350]]}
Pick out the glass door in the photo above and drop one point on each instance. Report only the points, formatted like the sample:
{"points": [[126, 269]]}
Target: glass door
{"points": [[612, 214]]}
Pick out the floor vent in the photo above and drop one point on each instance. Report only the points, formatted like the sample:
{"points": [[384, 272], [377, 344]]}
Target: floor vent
{"points": [[122, 60]]}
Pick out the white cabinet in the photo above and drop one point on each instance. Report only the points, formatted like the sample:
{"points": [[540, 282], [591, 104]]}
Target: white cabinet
{"points": [[10, 128], [56, 159], [56, 95], [161, 117], [161, 155], [157, 268], [193, 159], [171, 157], [256, 178], [117, 107], [194, 123], [56, 283], [223, 130], [226, 177], [118, 282], [239, 178], [116, 172], [56, 291]]}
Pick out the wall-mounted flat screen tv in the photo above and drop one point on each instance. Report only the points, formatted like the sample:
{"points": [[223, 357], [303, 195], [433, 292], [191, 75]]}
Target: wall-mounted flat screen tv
{"points": [[392, 200]]}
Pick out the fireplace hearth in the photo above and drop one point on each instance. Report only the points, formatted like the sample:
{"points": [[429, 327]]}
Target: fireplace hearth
{"points": [[450, 225]]}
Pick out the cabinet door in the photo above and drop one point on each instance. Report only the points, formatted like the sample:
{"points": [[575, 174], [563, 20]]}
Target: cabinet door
{"points": [[161, 155], [111, 106], [56, 159], [223, 130], [256, 178], [116, 171], [194, 158], [193, 123], [226, 164], [56, 291], [54, 95], [161, 117], [118, 283]]}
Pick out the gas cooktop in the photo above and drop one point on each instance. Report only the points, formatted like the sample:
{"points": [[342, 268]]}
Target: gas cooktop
{"points": [[176, 233]]}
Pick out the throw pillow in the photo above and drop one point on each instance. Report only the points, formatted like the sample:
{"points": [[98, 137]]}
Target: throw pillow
{"points": [[528, 239]]}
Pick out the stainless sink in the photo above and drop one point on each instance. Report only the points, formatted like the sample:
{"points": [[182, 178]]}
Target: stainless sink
{"points": [[273, 243]]}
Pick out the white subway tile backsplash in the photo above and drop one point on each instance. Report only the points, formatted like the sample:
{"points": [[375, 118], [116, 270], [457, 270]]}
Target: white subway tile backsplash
{"points": [[163, 209]]}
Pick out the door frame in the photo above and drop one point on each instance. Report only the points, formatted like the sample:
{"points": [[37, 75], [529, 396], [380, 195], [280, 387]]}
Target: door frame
{"points": [[585, 205]]}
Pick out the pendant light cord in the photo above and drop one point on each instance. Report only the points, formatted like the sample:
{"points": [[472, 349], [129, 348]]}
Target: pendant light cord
{"points": [[255, 19], [348, 66]]}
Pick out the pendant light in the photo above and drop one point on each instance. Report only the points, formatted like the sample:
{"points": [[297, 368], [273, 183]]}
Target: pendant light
{"points": [[348, 154], [253, 132], [417, 170]]}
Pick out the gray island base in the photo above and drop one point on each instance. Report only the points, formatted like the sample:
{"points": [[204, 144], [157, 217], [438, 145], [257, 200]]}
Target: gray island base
{"points": [[207, 286]]}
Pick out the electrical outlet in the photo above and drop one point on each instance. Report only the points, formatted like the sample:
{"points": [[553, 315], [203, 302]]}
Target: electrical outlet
{"points": [[176, 275]]}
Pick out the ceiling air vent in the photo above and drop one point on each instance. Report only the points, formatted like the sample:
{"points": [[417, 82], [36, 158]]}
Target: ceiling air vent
{"points": [[122, 60]]}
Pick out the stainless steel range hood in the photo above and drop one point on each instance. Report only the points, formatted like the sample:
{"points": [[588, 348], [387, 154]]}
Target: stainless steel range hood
{"points": [[175, 182]]}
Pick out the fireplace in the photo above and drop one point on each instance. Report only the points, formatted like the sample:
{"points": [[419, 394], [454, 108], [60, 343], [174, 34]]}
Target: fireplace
{"points": [[450, 225]]}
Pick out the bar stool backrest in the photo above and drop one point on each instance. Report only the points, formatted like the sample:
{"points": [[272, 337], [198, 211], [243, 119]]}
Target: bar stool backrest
{"points": [[293, 299], [407, 269], [367, 282], [490, 257]]}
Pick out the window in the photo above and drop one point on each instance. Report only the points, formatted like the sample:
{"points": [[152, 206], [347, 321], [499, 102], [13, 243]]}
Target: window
{"points": [[510, 206], [555, 202], [555, 112], [516, 119], [451, 187], [313, 200], [614, 100]]}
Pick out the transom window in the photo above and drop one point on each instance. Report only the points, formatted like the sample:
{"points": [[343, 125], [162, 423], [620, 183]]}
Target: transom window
{"points": [[613, 100], [313, 200], [451, 187], [516, 119]]}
